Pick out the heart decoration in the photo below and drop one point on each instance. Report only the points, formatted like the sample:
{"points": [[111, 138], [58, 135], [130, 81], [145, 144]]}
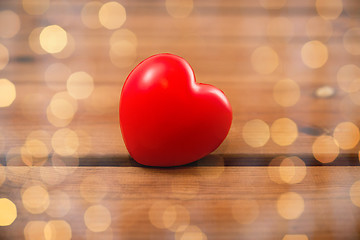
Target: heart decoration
{"points": [[166, 118]]}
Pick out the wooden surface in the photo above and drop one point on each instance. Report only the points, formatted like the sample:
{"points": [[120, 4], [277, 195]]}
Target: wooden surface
{"points": [[64, 164]]}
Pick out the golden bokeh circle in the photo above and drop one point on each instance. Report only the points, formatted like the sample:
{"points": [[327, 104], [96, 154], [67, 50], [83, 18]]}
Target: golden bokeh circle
{"points": [[289, 170], [347, 135], [35, 7], [256, 133], [314, 54], [179, 8], [34, 230], [65, 142], [329, 10], [112, 15], [35, 199], [325, 149], [355, 193], [264, 60], [57, 230], [284, 131], [53, 39], [90, 14], [290, 205], [245, 211], [97, 218], [286, 92], [351, 41], [8, 212], [12, 24], [348, 78], [4, 56], [80, 85], [7, 93]]}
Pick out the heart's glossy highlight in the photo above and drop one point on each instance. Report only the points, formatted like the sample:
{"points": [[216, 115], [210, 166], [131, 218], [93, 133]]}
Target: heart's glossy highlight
{"points": [[166, 118]]}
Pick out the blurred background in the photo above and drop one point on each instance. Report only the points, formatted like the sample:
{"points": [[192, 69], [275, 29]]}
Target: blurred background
{"points": [[290, 69]]}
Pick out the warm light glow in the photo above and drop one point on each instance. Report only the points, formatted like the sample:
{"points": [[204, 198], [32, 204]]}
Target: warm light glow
{"points": [[34, 230], [284, 131], [329, 9], [65, 142], [80, 85], [325, 92], [156, 213], [355, 193], [290, 170], [35, 199], [286, 92], [7, 92], [36, 148], [256, 133], [176, 218], [90, 13], [4, 56], [273, 4], [68, 49], [314, 54], [290, 205], [264, 60], [11, 24], [112, 15], [179, 8], [351, 41], [63, 106], [348, 78], [57, 230], [34, 41], [191, 232], [347, 135], [122, 53], [93, 190], [319, 28], [245, 211], [53, 39], [56, 75], [123, 35], [325, 149], [280, 29], [97, 218], [59, 204], [184, 187], [295, 237], [8, 212], [35, 7]]}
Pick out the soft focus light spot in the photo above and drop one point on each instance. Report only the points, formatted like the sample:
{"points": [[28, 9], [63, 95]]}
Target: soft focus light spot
{"points": [[280, 29], [112, 15], [286, 92], [34, 230], [156, 213], [355, 193], [34, 41], [295, 237], [2, 174], [264, 60], [59, 204], [63, 106], [97, 218], [245, 211], [351, 41], [68, 49], [36, 148], [7, 92], [35, 199], [290, 205], [272, 4], [185, 187], [106, 235], [4, 56], [53, 39], [325, 149], [179, 8], [314, 54], [56, 75], [346, 135], [8, 212], [176, 218], [348, 78], [123, 35], [355, 98], [93, 190], [57, 230], [256, 133], [191, 232], [80, 85], [325, 92], [35, 7], [123, 53], [65, 142], [329, 9], [290, 170], [318, 28], [284, 131], [10, 24], [64, 165], [90, 13]]}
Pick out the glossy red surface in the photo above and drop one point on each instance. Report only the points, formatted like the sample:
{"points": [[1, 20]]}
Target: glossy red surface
{"points": [[166, 118]]}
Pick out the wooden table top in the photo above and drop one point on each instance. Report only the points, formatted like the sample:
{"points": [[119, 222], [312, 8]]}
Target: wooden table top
{"points": [[288, 169]]}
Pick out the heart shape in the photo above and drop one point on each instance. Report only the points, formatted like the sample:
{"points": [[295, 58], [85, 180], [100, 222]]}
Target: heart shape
{"points": [[166, 118]]}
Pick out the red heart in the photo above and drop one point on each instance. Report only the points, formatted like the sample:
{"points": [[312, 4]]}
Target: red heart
{"points": [[166, 118]]}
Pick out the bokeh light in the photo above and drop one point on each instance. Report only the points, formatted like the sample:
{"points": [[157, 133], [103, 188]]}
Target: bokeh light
{"points": [[176, 218], [329, 9], [156, 212], [325, 149], [314, 54], [284, 131], [68, 50], [53, 39], [90, 14], [105, 235], [8, 212], [35, 7], [347, 135], [348, 78], [112, 15], [34, 41], [191, 232], [7, 93], [4, 56], [57, 230], [355, 193], [325, 92], [245, 211], [64, 165], [62, 106], [351, 41], [12, 26], [65, 142], [123, 53], [290, 205], [289, 170], [179, 8], [295, 237], [97, 218], [35, 199], [286, 92], [80, 85], [34, 230], [256, 133], [264, 60]]}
